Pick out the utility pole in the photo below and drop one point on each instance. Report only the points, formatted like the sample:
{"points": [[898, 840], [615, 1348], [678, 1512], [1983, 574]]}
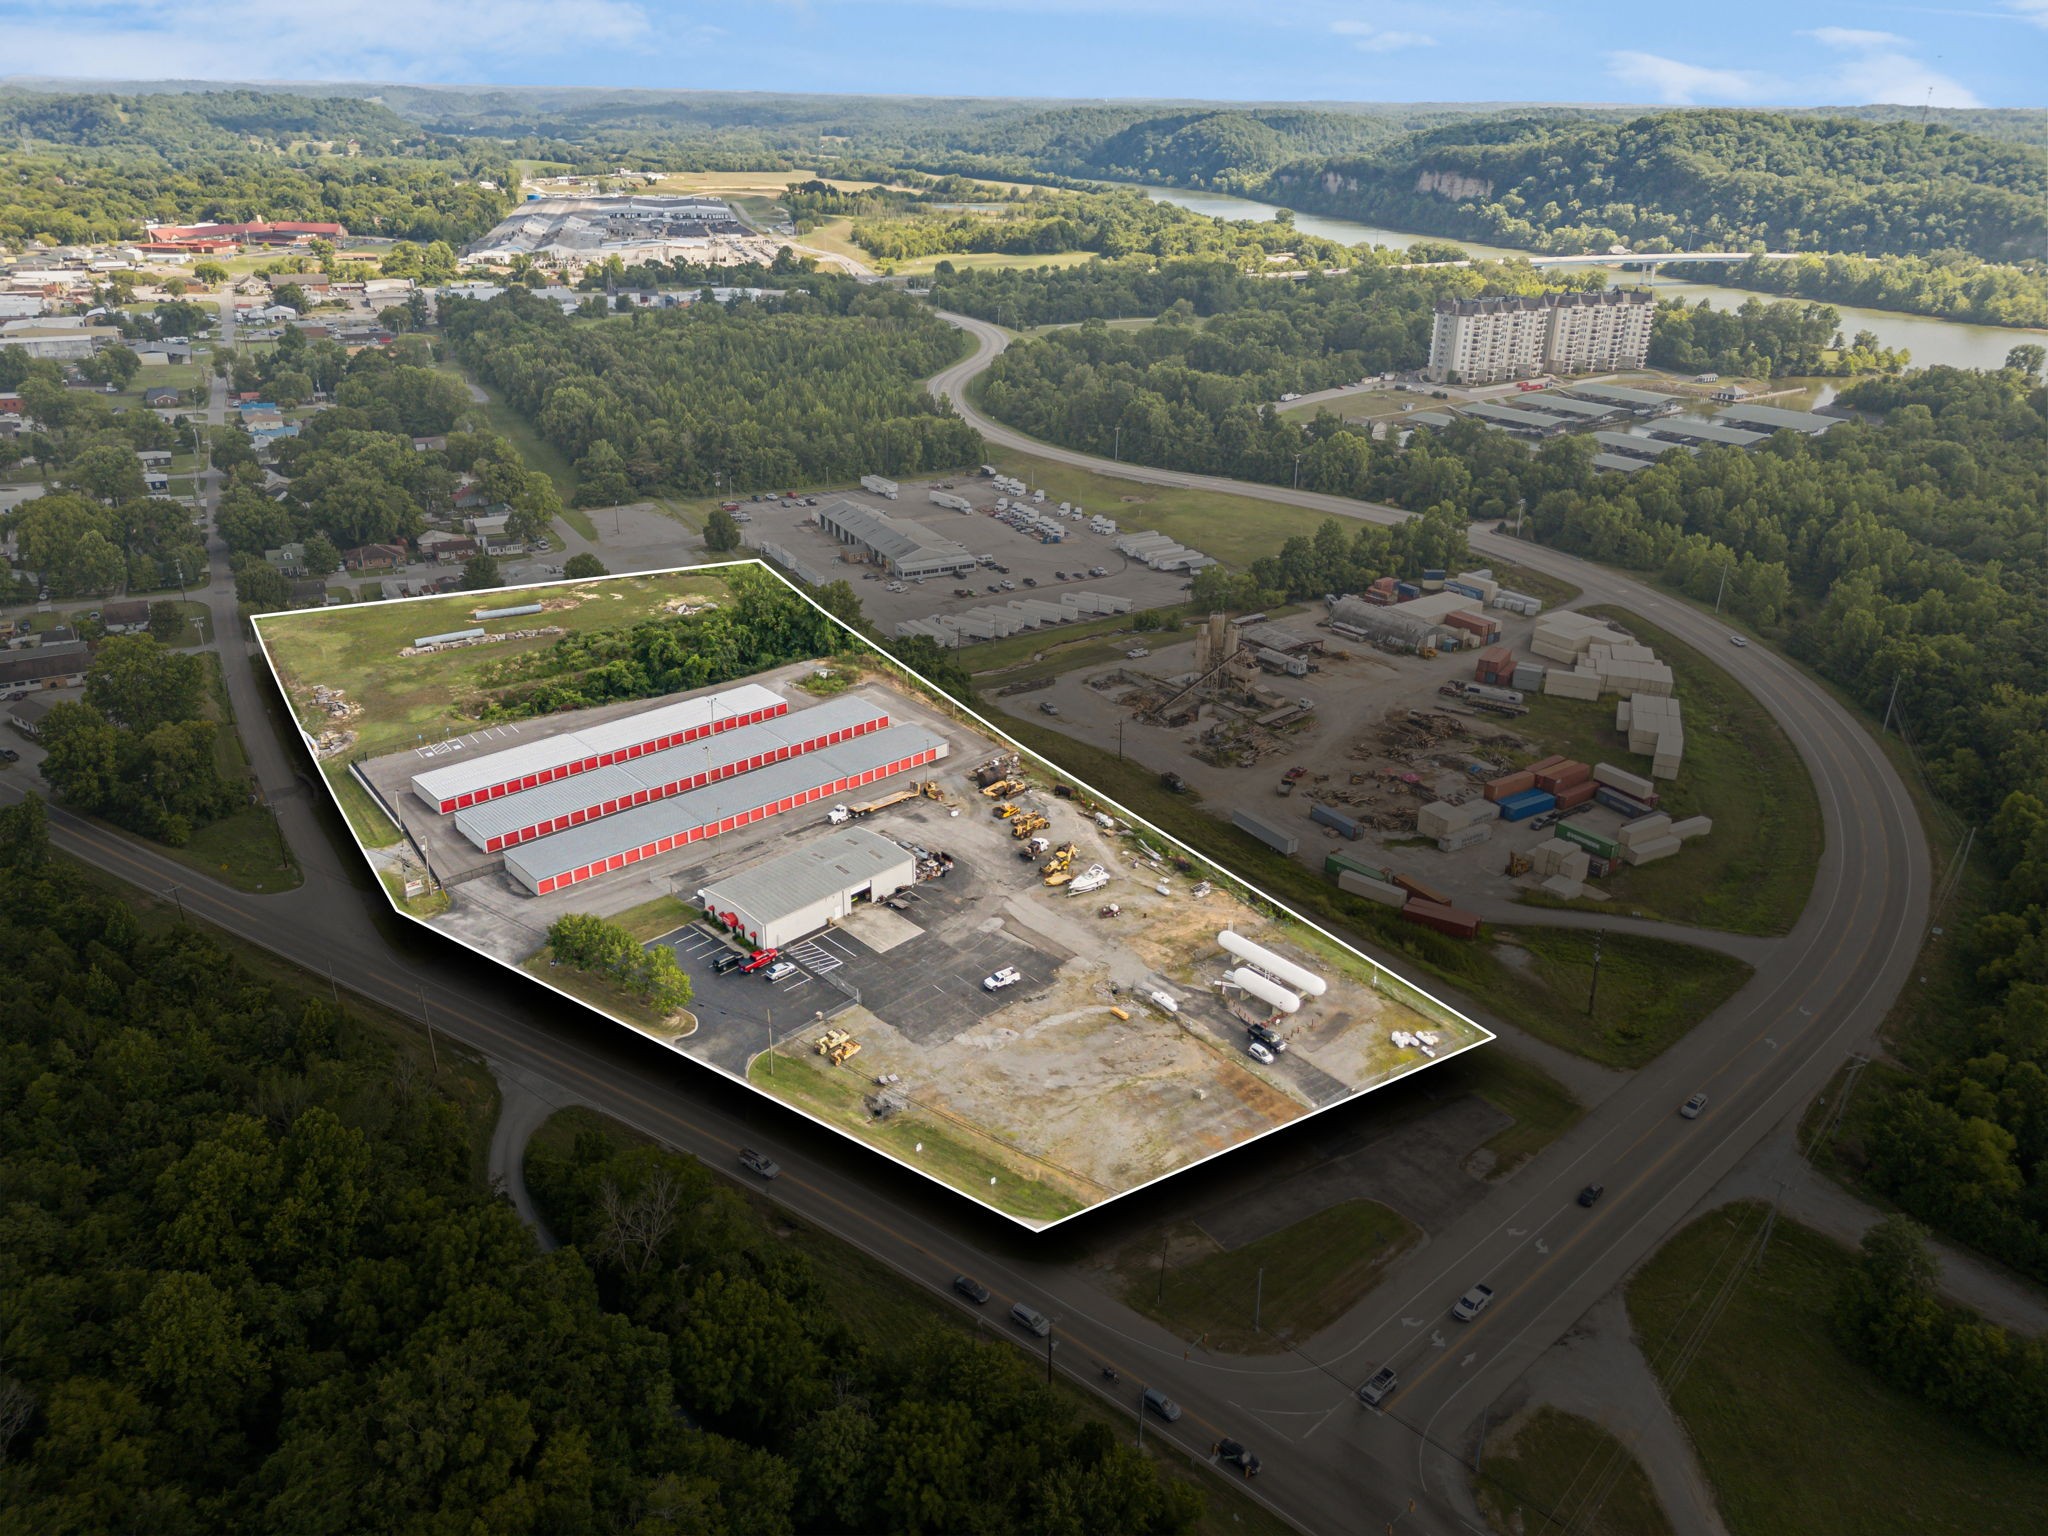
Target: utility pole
{"points": [[1117, 448], [424, 1019], [1722, 589], [1888, 703], [1162, 1266], [178, 895], [1258, 1299], [1048, 1357], [1119, 740], [1297, 471], [1593, 993]]}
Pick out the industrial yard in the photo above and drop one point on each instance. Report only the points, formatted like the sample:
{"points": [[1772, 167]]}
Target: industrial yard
{"points": [[942, 559], [1442, 750], [888, 916]]}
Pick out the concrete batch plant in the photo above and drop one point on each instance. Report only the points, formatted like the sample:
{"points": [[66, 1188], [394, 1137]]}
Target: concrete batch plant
{"points": [[789, 897]]}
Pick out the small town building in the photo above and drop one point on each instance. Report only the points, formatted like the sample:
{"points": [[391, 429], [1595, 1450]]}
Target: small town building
{"points": [[792, 896]]}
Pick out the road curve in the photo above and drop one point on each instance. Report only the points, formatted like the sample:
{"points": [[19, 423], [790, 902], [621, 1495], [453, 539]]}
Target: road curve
{"points": [[1819, 995]]}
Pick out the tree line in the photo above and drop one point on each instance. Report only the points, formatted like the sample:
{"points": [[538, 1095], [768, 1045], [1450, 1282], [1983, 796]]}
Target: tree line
{"points": [[1951, 285], [805, 387], [1692, 180], [1755, 340], [255, 1284]]}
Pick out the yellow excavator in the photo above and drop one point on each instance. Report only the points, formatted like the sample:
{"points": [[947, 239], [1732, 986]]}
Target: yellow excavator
{"points": [[1003, 787], [1026, 823], [1005, 811], [931, 791]]}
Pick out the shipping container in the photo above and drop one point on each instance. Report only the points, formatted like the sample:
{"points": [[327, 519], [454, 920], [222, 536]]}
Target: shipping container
{"points": [[1509, 784], [1564, 776], [1593, 842], [1370, 888], [1576, 794], [1528, 677], [1547, 764], [1272, 837], [1652, 849], [1532, 802], [1406, 590], [1339, 863], [1330, 816], [1420, 891], [1465, 837], [1628, 783], [1626, 805], [1444, 918]]}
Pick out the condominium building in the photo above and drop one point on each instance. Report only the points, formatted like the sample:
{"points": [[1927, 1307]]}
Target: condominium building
{"points": [[1481, 341]]}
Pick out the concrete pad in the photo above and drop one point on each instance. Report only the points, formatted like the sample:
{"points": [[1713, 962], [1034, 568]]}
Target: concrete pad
{"points": [[879, 928]]}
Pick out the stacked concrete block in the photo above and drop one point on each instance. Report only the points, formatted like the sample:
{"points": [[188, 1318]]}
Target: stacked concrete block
{"points": [[1565, 636], [1465, 837]]}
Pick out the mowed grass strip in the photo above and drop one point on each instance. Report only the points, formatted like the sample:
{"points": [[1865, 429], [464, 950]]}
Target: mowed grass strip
{"points": [[1556, 1474], [1798, 1437], [1314, 1272], [976, 1166], [1651, 991], [1755, 870]]}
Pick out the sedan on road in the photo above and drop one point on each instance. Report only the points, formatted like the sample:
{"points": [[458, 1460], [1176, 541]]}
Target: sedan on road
{"points": [[1591, 1193], [1691, 1107], [759, 1162], [972, 1289], [1472, 1303], [1738, 640], [1231, 1452], [1158, 1402]]}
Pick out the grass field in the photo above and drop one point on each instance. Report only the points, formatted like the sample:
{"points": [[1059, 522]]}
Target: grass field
{"points": [[407, 697], [885, 1310], [509, 424], [1753, 872], [1797, 1437], [1313, 1272], [952, 1153], [1651, 991], [1556, 1474], [917, 266]]}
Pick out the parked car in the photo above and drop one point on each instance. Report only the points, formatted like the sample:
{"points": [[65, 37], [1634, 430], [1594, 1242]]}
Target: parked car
{"points": [[1159, 1403], [727, 962], [1738, 640], [1472, 1303], [1258, 1052], [1008, 976], [760, 959], [1031, 1319], [9, 755], [1230, 1451], [1267, 1037], [1591, 1193], [1691, 1107], [1048, 708], [759, 1162], [971, 1288], [779, 971], [1379, 1387]]}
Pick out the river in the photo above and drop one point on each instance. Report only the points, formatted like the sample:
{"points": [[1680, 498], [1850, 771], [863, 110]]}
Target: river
{"points": [[1951, 342]]}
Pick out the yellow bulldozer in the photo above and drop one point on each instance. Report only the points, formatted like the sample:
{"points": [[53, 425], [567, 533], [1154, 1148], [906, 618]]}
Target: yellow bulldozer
{"points": [[1025, 823], [1005, 811], [931, 791], [1003, 787], [837, 1046]]}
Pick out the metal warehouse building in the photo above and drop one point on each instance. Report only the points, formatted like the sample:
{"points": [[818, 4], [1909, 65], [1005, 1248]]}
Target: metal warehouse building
{"points": [[459, 785], [780, 901], [612, 842], [905, 548], [519, 818]]}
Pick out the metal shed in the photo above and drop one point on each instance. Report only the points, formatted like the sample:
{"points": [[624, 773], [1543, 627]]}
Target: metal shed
{"points": [[786, 898]]}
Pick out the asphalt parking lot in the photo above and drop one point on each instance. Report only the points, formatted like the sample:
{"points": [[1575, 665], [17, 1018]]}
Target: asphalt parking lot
{"points": [[928, 987]]}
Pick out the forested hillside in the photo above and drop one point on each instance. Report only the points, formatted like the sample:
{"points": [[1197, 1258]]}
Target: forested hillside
{"points": [[252, 1283], [819, 384], [93, 168], [1693, 180], [1948, 284]]}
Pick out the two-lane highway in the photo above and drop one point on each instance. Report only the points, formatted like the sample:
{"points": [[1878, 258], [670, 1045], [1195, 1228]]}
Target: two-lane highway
{"points": [[1819, 995]]}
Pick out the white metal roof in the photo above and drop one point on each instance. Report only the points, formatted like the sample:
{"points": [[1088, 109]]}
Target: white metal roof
{"points": [[828, 864], [544, 802], [572, 848], [481, 770]]}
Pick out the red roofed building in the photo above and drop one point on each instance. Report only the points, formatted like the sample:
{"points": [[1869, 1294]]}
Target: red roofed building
{"points": [[256, 232]]}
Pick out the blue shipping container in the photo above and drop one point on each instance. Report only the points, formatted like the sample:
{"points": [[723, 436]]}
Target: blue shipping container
{"points": [[1462, 590], [1330, 816], [1531, 802], [1407, 589], [1627, 805]]}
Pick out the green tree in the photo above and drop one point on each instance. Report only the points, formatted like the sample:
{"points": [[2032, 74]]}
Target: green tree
{"points": [[2027, 359], [166, 623], [135, 681], [721, 533], [480, 572], [581, 567]]}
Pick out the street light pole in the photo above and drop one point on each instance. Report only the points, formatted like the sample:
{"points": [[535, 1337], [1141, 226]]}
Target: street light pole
{"points": [[1593, 993], [1117, 447]]}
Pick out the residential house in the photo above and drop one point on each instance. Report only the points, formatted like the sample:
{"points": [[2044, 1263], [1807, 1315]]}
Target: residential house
{"points": [[26, 716], [437, 443], [449, 548], [63, 667], [310, 593], [154, 458], [162, 397], [287, 559], [375, 557], [488, 525], [125, 618]]}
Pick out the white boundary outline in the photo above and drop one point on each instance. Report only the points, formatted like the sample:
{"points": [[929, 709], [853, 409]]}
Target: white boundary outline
{"points": [[946, 700]]}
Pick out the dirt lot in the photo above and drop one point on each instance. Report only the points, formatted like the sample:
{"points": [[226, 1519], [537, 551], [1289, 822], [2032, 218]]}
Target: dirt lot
{"points": [[1081, 550], [1357, 693]]}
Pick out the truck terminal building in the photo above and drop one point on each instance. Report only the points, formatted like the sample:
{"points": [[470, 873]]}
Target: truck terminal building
{"points": [[903, 548], [778, 902]]}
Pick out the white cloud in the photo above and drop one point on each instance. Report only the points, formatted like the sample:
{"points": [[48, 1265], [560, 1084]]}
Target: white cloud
{"points": [[1682, 84], [343, 40], [1367, 38], [1878, 68], [2035, 11]]}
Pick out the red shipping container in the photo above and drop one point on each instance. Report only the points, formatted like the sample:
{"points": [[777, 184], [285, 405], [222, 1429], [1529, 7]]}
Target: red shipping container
{"points": [[1420, 892], [1548, 764], [1576, 794], [1571, 773], [1444, 919], [1509, 784]]}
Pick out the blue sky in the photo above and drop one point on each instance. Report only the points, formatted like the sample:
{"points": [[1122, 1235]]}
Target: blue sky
{"points": [[1728, 52]]}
